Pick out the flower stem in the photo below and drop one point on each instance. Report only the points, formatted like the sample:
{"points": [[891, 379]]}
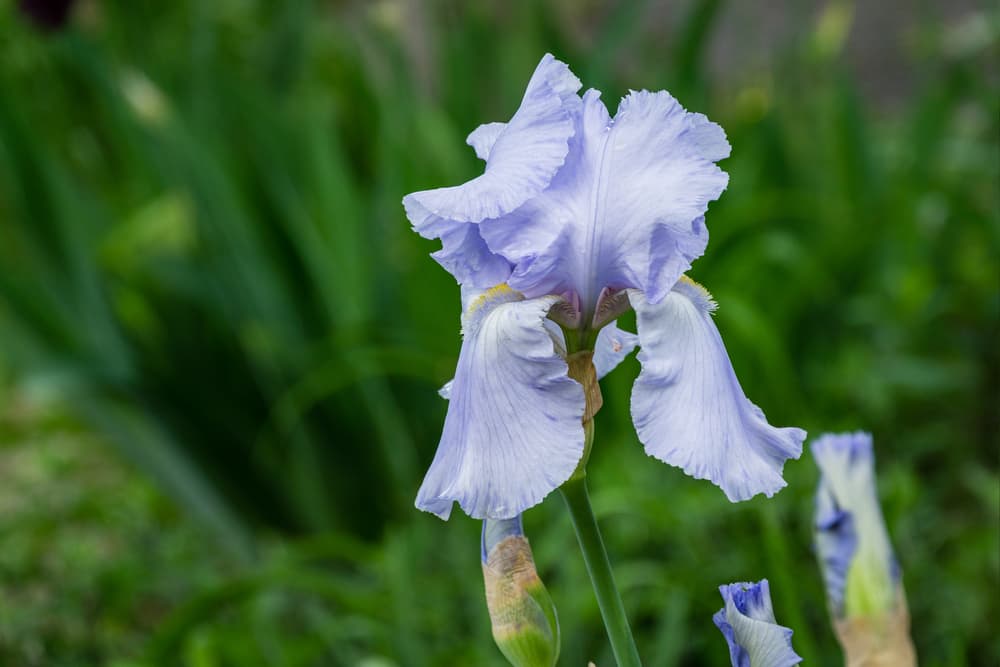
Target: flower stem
{"points": [[595, 556]]}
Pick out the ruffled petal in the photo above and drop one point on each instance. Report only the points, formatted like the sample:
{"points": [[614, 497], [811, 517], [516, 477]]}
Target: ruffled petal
{"points": [[483, 137], [464, 254], [513, 431], [470, 296], [660, 177], [747, 622], [522, 159], [626, 210], [687, 404], [547, 238], [612, 346]]}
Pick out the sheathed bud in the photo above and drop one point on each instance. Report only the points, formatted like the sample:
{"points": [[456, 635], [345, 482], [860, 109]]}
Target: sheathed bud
{"points": [[524, 621]]}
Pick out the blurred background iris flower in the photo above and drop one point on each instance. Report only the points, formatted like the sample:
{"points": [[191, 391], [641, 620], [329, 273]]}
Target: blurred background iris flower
{"points": [[221, 344]]}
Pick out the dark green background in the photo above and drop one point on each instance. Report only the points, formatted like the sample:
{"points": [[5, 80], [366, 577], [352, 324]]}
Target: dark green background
{"points": [[220, 342]]}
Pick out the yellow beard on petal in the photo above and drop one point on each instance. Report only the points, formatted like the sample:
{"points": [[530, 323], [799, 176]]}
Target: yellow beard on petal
{"points": [[501, 292], [701, 290]]}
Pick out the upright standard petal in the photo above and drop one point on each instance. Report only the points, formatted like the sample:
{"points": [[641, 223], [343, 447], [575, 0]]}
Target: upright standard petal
{"points": [[465, 255], [687, 404], [626, 211], [521, 158], [513, 432], [748, 624]]}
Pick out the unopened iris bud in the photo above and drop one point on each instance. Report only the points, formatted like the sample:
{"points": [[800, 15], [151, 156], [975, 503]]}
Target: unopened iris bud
{"points": [[525, 626], [864, 590], [747, 622]]}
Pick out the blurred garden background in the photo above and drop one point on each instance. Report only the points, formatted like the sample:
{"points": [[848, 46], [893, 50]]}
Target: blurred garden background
{"points": [[220, 342]]}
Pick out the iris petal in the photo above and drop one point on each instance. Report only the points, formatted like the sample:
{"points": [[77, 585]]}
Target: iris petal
{"points": [[484, 137], [748, 624], [687, 404], [547, 238], [513, 432], [522, 160], [465, 255], [626, 210], [612, 346], [661, 178], [522, 156]]}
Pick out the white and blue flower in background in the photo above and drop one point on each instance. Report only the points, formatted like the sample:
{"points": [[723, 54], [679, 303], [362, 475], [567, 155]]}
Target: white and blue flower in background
{"points": [[577, 217], [747, 622], [863, 582], [859, 568]]}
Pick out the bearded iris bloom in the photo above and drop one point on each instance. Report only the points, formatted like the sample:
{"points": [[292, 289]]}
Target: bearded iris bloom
{"points": [[863, 583], [748, 624], [577, 217]]}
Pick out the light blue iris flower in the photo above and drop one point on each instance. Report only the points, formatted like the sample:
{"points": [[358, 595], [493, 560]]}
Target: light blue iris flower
{"points": [[577, 217], [859, 568], [747, 622]]}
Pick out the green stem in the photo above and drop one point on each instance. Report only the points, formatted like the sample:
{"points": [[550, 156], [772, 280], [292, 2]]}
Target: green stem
{"points": [[595, 556]]}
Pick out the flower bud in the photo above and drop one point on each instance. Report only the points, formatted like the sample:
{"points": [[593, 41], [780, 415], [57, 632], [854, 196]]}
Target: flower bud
{"points": [[524, 621], [863, 584], [747, 622]]}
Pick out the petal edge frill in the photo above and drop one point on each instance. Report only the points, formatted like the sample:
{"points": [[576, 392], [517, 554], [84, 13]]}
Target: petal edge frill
{"points": [[513, 432], [523, 156], [688, 407], [484, 137], [662, 158]]}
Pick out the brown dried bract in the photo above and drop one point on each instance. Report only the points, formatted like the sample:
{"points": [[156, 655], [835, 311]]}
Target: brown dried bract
{"points": [[581, 369], [878, 642]]}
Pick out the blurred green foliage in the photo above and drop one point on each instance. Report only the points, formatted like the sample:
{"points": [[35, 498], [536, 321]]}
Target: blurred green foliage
{"points": [[206, 266]]}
